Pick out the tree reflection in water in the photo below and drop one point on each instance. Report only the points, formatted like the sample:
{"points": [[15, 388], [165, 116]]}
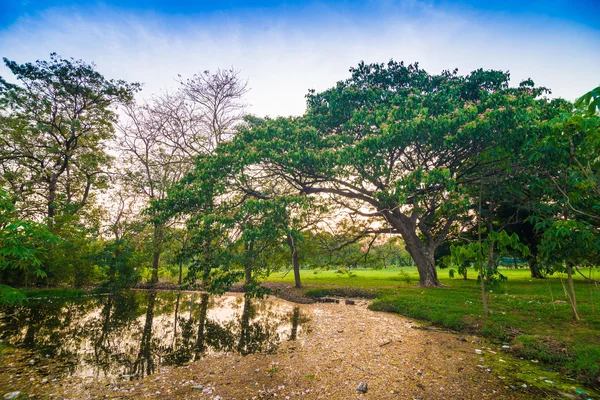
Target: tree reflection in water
{"points": [[133, 333]]}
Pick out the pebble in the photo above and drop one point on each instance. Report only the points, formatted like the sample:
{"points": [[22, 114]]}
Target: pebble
{"points": [[362, 387], [12, 395], [478, 351]]}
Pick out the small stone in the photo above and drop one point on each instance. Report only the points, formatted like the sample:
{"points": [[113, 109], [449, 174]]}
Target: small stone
{"points": [[524, 386], [32, 361], [362, 387], [44, 380], [478, 351], [197, 387], [11, 395], [349, 302]]}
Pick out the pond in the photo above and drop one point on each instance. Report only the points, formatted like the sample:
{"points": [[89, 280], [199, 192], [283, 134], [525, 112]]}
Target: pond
{"points": [[132, 334]]}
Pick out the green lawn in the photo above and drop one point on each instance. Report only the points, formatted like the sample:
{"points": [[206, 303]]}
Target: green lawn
{"points": [[533, 315]]}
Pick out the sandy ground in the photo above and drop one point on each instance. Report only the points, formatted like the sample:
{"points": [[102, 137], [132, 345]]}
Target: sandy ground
{"points": [[341, 346]]}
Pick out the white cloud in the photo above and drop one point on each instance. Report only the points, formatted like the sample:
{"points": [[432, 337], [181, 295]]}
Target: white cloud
{"points": [[284, 55]]}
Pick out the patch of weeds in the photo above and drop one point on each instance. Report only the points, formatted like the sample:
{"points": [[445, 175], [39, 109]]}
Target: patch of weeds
{"points": [[405, 276], [585, 364], [494, 330], [546, 350], [310, 376]]}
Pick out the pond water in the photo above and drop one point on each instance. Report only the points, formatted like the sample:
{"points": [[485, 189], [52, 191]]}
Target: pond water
{"points": [[132, 334]]}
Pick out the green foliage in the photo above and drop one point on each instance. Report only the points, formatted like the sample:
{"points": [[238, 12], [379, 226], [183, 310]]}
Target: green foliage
{"points": [[22, 247], [12, 296], [477, 253], [65, 107], [590, 102], [395, 143], [569, 185]]}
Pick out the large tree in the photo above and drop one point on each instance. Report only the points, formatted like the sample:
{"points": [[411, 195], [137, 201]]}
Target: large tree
{"points": [[54, 127], [161, 138], [397, 144], [569, 189]]}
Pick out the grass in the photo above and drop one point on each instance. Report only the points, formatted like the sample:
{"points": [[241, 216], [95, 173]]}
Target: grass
{"points": [[533, 315]]}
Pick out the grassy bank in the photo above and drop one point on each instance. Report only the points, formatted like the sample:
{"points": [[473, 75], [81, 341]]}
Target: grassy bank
{"points": [[532, 315]]}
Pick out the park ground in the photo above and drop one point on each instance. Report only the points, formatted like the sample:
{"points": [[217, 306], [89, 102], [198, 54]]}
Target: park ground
{"points": [[532, 315], [441, 345]]}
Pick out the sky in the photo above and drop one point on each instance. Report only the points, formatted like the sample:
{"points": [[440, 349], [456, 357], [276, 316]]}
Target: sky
{"points": [[285, 48]]}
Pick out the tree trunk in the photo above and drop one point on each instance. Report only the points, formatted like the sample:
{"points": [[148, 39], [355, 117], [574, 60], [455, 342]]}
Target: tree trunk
{"points": [[481, 274], [51, 199], [533, 270], [250, 262], [180, 279], [424, 261], [156, 250], [295, 262], [572, 291], [421, 254]]}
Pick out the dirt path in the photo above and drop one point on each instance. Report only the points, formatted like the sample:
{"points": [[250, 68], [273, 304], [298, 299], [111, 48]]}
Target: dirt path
{"points": [[341, 346]]}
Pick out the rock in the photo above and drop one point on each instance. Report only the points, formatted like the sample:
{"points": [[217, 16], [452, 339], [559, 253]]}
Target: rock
{"points": [[461, 339], [198, 387], [362, 387], [327, 300], [349, 302], [478, 351], [31, 362], [12, 395]]}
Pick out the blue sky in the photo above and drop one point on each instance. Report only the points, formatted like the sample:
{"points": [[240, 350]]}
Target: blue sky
{"points": [[285, 48]]}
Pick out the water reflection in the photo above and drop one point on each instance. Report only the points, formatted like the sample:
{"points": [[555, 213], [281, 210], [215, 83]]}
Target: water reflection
{"points": [[131, 334]]}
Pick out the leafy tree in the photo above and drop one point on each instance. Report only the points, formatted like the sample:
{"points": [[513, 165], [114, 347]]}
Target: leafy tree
{"points": [[396, 144], [569, 189], [160, 139], [54, 128]]}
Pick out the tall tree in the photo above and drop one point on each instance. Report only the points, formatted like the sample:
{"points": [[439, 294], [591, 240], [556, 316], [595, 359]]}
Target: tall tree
{"points": [[161, 138], [54, 128], [397, 144], [569, 189]]}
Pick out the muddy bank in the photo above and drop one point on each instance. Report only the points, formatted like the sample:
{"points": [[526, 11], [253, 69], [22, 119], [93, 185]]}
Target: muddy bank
{"points": [[341, 347]]}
